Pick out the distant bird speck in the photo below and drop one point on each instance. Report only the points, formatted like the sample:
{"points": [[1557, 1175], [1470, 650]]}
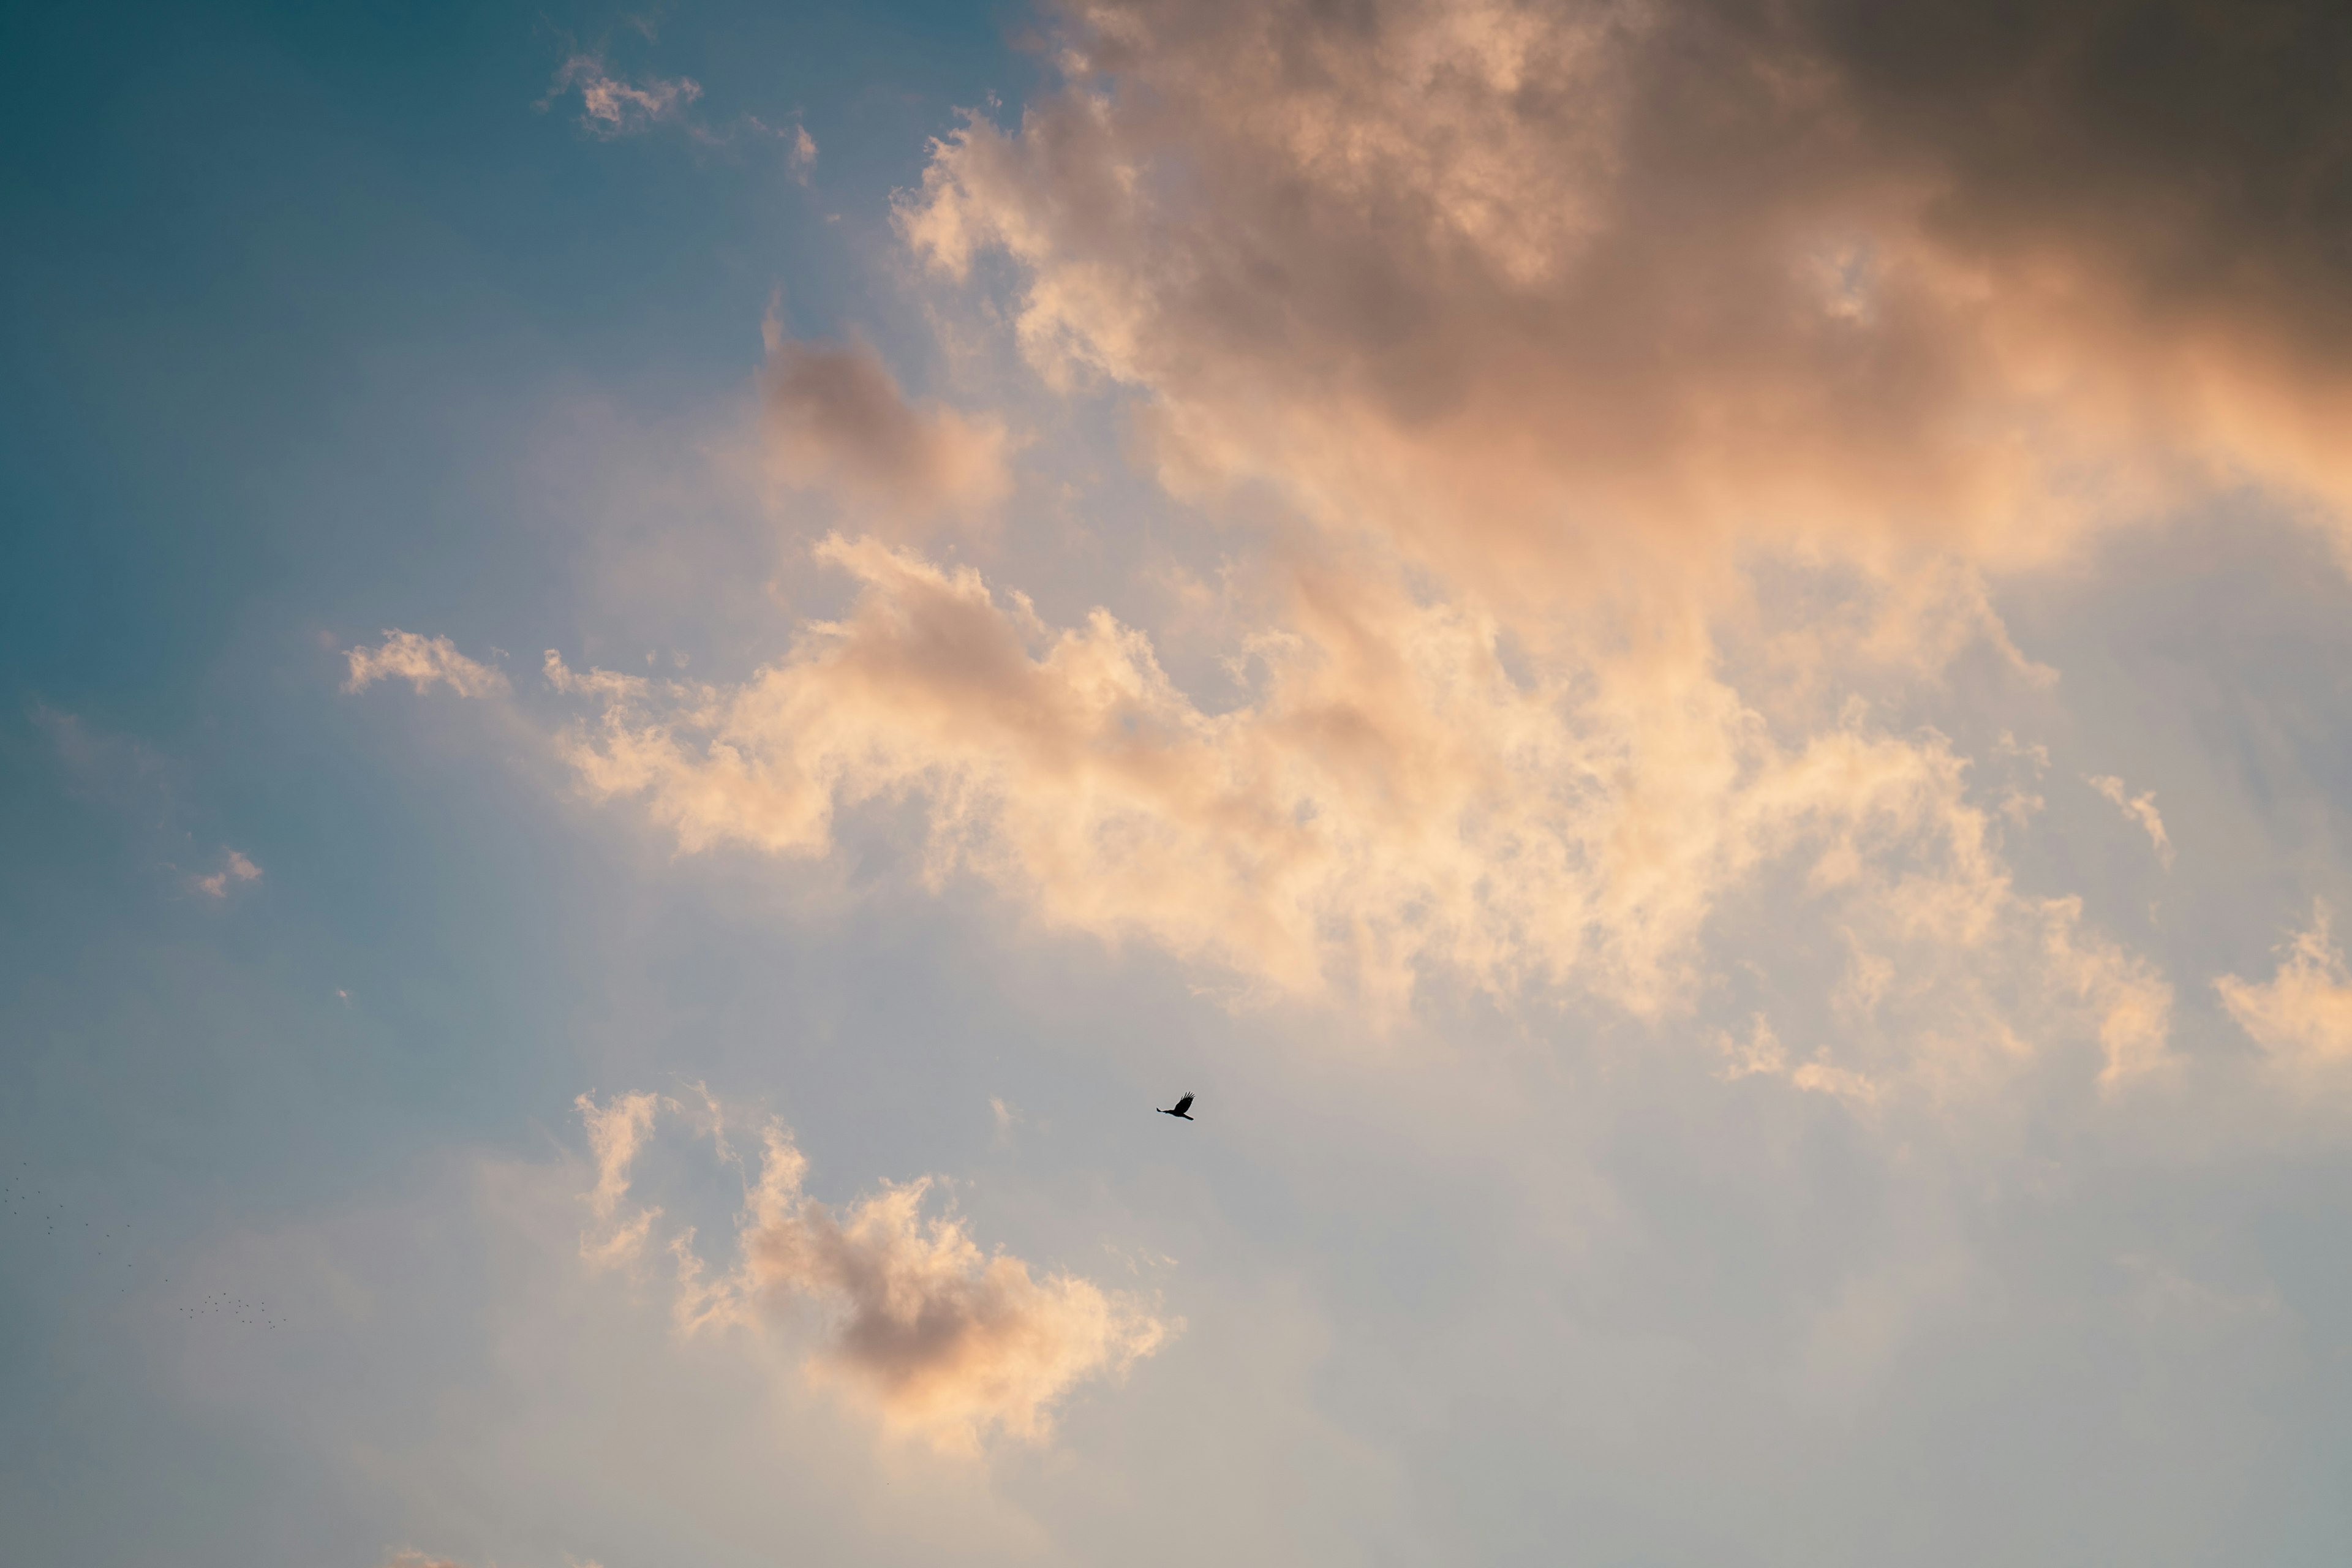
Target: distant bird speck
{"points": [[1184, 1108]]}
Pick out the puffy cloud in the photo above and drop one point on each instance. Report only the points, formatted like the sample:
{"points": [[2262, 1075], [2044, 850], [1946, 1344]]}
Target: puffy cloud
{"points": [[2303, 1013], [235, 868], [1392, 797], [1391, 802], [2139, 808], [610, 106], [1556, 293], [424, 663], [837, 419], [945, 1342]]}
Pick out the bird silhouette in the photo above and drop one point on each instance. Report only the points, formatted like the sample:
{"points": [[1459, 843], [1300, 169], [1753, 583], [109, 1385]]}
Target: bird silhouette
{"points": [[1184, 1108]]}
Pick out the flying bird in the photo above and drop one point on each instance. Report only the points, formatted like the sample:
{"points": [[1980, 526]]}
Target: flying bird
{"points": [[1184, 1108]]}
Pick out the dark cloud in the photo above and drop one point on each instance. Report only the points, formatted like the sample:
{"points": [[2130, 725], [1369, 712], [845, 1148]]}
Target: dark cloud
{"points": [[1573, 295], [2230, 122]]}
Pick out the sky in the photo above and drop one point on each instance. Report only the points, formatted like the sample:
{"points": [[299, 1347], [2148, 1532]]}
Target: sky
{"points": [[664, 668]]}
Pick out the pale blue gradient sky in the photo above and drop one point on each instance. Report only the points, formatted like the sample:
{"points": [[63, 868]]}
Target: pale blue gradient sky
{"points": [[315, 328]]}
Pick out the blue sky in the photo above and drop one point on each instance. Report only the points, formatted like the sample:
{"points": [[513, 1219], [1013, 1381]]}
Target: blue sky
{"points": [[662, 668]]}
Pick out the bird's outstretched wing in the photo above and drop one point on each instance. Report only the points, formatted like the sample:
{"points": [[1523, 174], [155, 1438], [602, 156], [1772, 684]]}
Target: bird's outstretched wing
{"points": [[1183, 1105]]}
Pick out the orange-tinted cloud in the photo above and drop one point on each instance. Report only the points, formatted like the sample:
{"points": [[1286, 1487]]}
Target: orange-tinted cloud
{"points": [[2141, 808], [1557, 294], [1564, 323], [943, 1341], [612, 105], [424, 663], [616, 1130], [235, 868], [1390, 803], [2303, 1015]]}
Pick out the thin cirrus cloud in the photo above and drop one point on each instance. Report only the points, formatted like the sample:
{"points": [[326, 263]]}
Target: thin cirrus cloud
{"points": [[835, 419], [2303, 1015], [943, 1342]]}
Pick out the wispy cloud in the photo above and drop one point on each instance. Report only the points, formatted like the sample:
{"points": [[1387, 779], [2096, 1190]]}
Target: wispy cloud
{"points": [[235, 868], [2141, 808], [2020, 800], [134, 778], [616, 1130], [424, 663], [2303, 1015], [612, 105], [1762, 1054], [120, 769]]}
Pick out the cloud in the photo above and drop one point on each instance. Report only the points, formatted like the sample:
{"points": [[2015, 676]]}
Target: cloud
{"points": [[944, 1342], [131, 777], [1575, 333], [1392, 797], [835, 420], [1561, 297], [615, 1132], [424, 663], [1390, 805], [2139, 808], [1763, 1054], [612, 107], [410, 1557], [2128, 1001], [235, 867], [2303, 1015]]}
